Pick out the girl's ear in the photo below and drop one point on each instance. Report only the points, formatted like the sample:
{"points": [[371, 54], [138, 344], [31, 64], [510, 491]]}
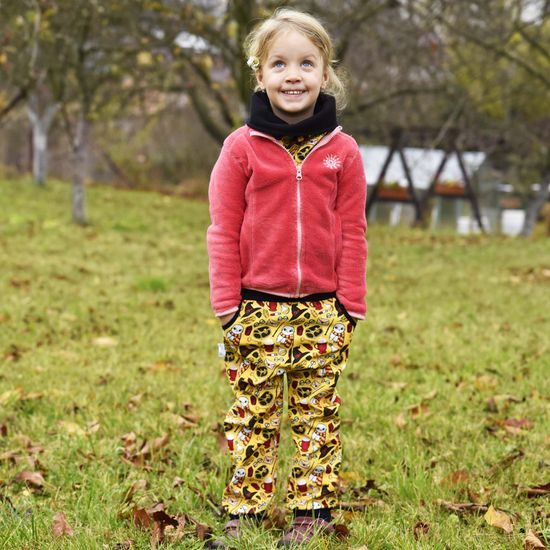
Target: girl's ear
{"points": [[259, 78]]}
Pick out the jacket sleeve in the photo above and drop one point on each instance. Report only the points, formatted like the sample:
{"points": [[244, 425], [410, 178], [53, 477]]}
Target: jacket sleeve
{"points": [[350, 207], [226, 194]]}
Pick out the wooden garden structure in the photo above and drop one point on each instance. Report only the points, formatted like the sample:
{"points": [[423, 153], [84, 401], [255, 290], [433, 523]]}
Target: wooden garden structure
{"points": [[450, 145]]}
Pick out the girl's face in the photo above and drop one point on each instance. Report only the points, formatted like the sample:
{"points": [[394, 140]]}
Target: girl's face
{"points": [[292, 76]]}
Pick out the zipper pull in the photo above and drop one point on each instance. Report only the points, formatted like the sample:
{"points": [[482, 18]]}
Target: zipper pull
{"points": [[299, 173]]}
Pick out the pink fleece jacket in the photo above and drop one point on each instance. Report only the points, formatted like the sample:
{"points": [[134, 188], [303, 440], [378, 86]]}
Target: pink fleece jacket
{"points": [[285, 229]]}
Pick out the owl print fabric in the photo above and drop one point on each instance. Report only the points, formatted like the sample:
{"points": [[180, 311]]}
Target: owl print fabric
{"points": [[309, 342], [300, 147]]}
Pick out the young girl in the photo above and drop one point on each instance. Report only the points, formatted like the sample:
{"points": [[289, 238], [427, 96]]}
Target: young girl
{"points": [[287, 267]]}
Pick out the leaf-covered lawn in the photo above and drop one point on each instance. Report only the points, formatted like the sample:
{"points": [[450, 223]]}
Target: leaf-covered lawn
{"points": [[112, 394]]}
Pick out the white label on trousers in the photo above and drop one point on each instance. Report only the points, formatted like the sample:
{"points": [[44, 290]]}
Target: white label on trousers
{"points": [[221, 350]]}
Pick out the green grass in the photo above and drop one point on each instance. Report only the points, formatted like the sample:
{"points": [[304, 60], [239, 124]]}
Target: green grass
{"points": [[111, 324]]}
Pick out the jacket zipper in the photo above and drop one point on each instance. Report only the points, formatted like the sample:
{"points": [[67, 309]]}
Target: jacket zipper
{"points": [[298, 167], [299, 222]]}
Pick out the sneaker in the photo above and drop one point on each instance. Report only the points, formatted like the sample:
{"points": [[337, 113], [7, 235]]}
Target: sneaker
{"points": [[303, 529], [232, 532]]}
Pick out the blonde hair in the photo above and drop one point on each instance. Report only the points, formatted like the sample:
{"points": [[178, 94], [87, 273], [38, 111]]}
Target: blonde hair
{"points": [[259, 41]]}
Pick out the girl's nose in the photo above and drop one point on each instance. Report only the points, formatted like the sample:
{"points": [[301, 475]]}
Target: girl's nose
{"points": [[293, 76], [293, 73]]}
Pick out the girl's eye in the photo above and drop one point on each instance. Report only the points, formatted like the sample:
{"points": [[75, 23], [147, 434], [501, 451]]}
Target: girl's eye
{"points": [[307, 63], [278, 64]]}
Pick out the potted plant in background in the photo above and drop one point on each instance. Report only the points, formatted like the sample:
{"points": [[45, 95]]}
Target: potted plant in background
{"points": [[450, 188], [392, 190]]}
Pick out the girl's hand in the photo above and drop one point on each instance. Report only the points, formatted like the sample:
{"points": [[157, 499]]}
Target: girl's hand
{"points": [[225, 318]]}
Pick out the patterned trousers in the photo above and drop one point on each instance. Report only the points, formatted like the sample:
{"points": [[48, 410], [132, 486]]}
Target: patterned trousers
{"points": [[309, 342]]}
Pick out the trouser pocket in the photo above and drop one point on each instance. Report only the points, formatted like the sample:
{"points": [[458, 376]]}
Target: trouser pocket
{"points": [[343, 311], [233, 319]]}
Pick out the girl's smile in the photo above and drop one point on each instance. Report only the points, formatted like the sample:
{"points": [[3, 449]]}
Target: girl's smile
{"points": [[292, 76]]}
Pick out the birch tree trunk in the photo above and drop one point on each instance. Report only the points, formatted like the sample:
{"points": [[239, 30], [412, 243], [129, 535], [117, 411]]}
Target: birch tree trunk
{"points": [[535, 205], [80, 153], [40, 123]]}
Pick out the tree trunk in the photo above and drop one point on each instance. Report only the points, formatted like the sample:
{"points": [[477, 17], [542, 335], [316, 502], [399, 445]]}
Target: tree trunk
{"points": [[535, 205], [40, 123], [80, 153]]}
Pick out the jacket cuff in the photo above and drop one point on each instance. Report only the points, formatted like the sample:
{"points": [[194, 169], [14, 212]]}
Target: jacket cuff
{"points": [[226, 311], [358, 316]]}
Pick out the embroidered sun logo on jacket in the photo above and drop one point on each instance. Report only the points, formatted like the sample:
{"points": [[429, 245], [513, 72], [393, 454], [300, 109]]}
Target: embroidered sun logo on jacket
{"points": [[332, 162]]}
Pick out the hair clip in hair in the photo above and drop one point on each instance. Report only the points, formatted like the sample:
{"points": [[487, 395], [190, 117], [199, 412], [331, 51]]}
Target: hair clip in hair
{"points": [[253, 62]]}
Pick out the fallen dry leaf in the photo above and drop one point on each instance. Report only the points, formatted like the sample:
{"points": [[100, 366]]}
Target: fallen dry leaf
{"points": [[129, 439], [138, 456], [538, 491], [13, 354], [20, 283], [134, 401], [175, 534], [217, 428], [92, 427], [521, 423], [31, 395], [32, 479], [10, 396], [491, 405], [505, 462], [105, 342], [160, 366], [499, 519], [400, 421], [142, 520], [418, 410], [154, 517], [420, 529], [177, 482], [429, 396], [369, 485], [341, 531], [184, 422], [124, 545], [202, 531], [60, 526], [72, 428], [501, 402], [276, 518], [456, 478], [485, 382], [532, 542], [135, 487], [463, 507], [155, 444], [12, 456]]}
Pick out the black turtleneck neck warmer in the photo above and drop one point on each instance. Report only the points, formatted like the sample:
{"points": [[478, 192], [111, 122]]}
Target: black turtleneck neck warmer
{"points": [[263, 119]]}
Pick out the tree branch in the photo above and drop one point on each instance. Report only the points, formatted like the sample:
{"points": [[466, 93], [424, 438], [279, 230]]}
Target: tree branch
{"points": [[534, 43], [498, 50], [398, 93], [14, 101]]}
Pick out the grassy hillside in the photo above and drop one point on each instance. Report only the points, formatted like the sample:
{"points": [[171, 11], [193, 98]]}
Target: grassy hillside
{"points": [[107, 342]]}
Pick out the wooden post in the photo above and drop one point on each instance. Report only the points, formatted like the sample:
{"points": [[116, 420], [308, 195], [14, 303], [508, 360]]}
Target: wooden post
{"points": [[469, 189]]}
